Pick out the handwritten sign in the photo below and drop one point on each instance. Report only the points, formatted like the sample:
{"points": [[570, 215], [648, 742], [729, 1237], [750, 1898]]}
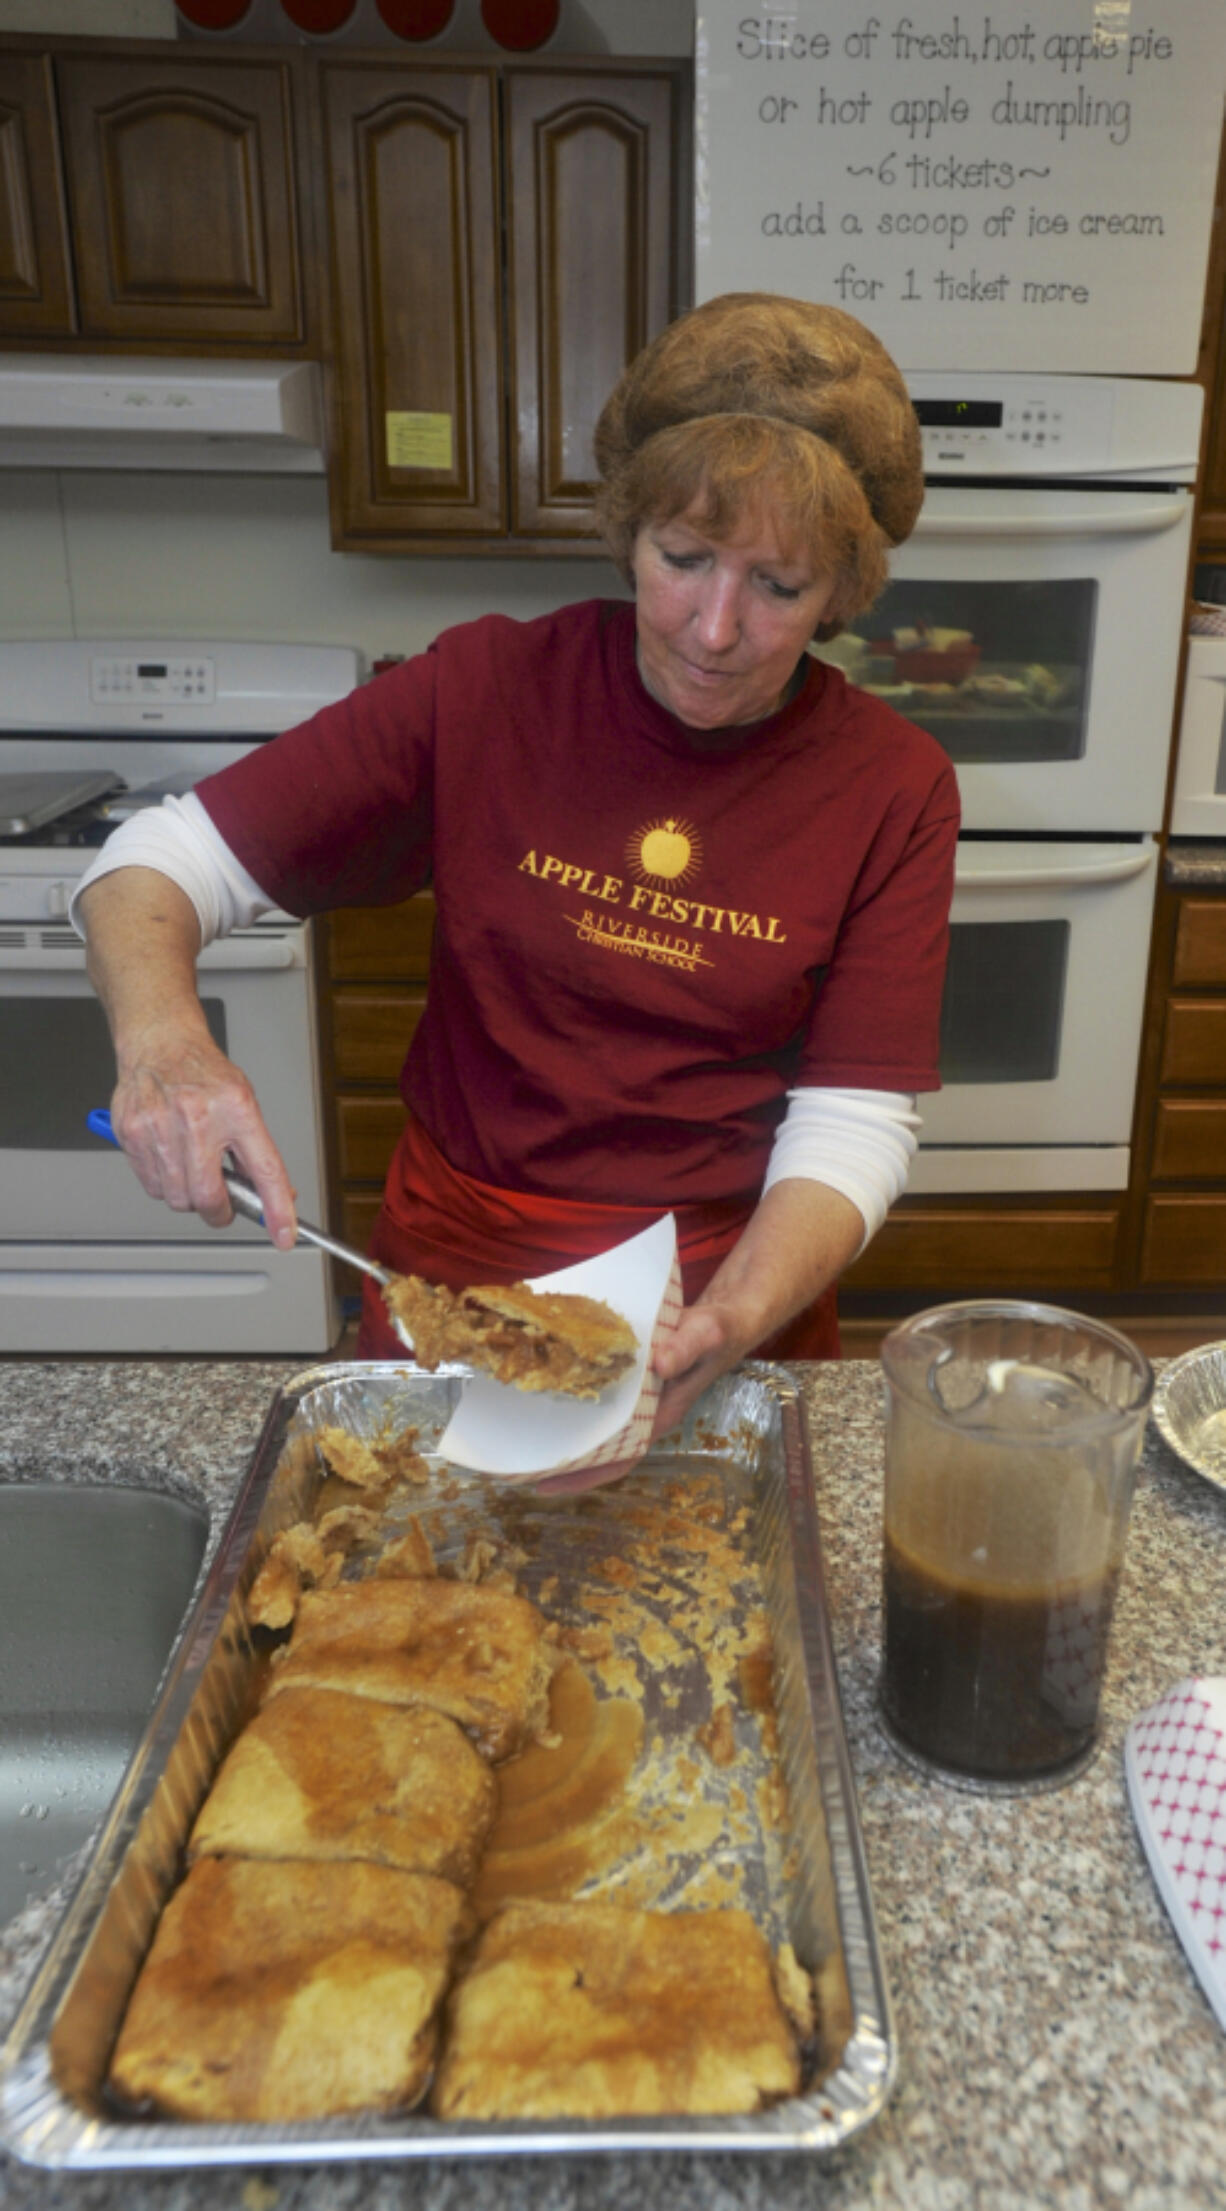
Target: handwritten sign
{"points": [[1024, 186]]}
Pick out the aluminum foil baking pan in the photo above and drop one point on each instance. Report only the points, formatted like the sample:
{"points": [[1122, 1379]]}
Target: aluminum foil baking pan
{"points": [[781, 1822], [1189, 1410]]}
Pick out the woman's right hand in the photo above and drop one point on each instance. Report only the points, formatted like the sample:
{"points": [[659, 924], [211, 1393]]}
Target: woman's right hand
{"points": [[179, 1104], [178, 1107]]}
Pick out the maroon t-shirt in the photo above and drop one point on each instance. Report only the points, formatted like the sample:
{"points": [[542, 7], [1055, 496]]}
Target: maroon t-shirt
{"points": [[646, 934]]}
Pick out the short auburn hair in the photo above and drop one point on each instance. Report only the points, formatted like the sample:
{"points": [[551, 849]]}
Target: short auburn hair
{"points": [[755, 402]]}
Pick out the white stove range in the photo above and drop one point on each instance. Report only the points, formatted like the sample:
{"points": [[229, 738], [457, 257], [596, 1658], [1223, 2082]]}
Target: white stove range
{"points": [[89, 732]]}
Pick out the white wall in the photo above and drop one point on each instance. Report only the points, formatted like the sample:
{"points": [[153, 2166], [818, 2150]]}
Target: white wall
{"points": [[89, 553]]}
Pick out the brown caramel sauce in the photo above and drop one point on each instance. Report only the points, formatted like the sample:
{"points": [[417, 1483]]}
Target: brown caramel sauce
{"points": [[756, 1676], [562, 1817]]}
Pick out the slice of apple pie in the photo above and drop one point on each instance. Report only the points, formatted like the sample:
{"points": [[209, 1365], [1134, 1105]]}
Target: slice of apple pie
{"points": [[534, 1339], [597, 2011], [289, 1990]]}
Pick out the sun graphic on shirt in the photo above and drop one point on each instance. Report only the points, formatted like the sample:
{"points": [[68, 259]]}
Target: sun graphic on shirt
{"points": [[665, 852]]}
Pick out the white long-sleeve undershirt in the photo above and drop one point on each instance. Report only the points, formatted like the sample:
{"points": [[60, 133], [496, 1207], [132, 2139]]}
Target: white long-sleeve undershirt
{"points": [[858, 1142], [178, 839]]}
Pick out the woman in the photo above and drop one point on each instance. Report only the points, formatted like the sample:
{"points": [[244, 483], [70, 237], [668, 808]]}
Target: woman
{"points": [[692, 889]]}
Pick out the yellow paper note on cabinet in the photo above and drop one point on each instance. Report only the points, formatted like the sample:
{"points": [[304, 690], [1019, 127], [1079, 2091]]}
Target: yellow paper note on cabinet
{"points": [[418, 440]]}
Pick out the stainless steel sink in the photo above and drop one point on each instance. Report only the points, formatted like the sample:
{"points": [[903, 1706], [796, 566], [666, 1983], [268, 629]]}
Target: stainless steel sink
{"points": [[94, 1583]]}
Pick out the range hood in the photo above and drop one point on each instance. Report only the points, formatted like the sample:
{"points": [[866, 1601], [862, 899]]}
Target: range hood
{"points": [[62, 410]]}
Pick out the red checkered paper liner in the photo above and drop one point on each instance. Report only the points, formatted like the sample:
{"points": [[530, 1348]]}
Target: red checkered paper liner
{"points": [[1175, 1762]]}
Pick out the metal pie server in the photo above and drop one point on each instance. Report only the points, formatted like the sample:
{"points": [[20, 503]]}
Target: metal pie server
{"points": [[245, 1199]]}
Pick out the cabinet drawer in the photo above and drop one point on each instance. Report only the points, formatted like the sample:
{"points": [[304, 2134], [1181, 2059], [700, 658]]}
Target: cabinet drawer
{"points": [[1200, 943], [359, 1212], [944, 1248], [371, 1032], [1184, 1240], [1194, 1042], [365, 942], [367, 1133], [1189, 1140]]}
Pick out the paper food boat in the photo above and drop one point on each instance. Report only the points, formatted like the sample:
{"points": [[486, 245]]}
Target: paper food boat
{"points": [[524, 1437]]}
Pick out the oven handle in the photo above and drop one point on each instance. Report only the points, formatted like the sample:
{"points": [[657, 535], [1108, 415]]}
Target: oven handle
{"points": [[1061, 873], [229, 955], [1147, 515]]}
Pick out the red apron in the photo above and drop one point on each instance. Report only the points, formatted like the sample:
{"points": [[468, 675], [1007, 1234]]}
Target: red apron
{"points": [[448, 1227]]}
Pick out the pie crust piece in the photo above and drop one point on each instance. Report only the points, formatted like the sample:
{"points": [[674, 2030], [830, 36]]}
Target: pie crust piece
{"points": [[289, 1991], [593, 2011], [317, 1774], [533, 1339], [482, 1656]]}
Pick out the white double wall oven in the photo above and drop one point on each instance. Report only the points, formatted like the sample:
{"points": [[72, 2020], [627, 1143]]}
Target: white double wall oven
{"points": [[1033, 625]]}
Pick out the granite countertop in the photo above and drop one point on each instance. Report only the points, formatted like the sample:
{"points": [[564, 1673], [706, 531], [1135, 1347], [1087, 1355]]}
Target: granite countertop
{"points": [[1055, 2047], [1195, 864]]}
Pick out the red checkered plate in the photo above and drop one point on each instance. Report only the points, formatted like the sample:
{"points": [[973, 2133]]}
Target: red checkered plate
{"points": [[1175, 1761]]}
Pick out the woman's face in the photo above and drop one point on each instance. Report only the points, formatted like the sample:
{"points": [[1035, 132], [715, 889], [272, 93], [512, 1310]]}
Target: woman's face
{"points": [[722, 623]]}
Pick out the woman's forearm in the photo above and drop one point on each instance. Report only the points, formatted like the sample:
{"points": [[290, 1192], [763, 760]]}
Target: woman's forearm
{"points": [[142, 937], [796, 1242]]}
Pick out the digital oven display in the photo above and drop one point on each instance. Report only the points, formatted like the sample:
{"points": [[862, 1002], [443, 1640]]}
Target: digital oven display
{"points": [[151, 668], [960, 414]]}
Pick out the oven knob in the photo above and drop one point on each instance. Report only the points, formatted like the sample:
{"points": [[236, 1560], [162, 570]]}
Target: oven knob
{"points": [[58, 896]]}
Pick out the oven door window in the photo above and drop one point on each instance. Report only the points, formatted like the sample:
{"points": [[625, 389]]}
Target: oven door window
{"points": [[62, 1050], [1003, 1008], [995, 671]]}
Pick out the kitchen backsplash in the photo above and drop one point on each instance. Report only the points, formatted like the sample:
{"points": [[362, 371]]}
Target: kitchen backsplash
{"points": [[102, 554]]}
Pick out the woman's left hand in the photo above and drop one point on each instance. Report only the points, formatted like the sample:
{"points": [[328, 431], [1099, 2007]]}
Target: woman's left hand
{"points": [[695, 1352], [703, 1345], [798, 1240]]}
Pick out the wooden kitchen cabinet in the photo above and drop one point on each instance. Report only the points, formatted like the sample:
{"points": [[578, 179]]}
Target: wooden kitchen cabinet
{"points": [[593, 270], [373, 963], [502, 239], [165, 185], [36, 293], [956, 1247], [1182, 1113], [418, 440], [181, 179]]}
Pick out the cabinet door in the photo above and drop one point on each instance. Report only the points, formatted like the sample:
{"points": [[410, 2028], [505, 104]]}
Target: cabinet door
{"points": [[593, 268], [413, 204], [35, 273], [181, 180]]}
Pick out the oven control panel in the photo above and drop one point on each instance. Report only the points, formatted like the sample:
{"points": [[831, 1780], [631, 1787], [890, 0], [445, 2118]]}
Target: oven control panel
{"points": [[1094, 427], [116, 678]]}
